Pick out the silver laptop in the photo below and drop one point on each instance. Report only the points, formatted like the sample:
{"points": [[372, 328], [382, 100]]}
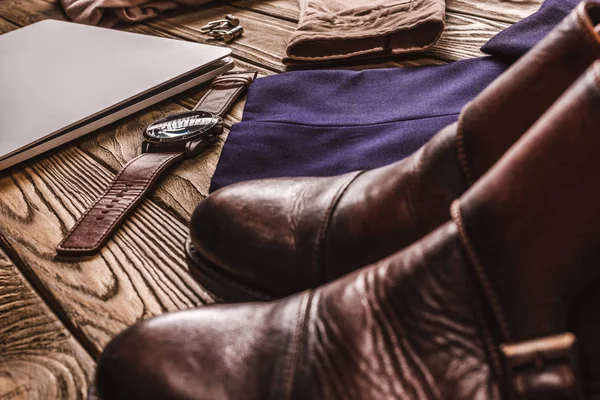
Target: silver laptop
{"points": [[60, 80]]}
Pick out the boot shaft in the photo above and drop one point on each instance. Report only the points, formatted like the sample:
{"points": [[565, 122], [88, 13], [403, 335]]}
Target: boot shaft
{"points": [[406, 327], [531, 230], [496, 118], [534, 218]]}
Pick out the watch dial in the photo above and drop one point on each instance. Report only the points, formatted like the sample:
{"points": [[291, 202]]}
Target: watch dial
{"points": [[180, 126]]}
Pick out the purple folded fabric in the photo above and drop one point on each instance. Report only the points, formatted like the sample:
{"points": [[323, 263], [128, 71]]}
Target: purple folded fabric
{"points": [[321, 123], [516, 40]]}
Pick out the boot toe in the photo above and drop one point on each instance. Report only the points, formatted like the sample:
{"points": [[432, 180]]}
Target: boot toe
{"points": [[215, 352], [260, 236]]}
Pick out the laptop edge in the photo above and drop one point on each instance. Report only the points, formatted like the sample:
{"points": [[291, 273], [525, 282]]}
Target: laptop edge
{"points": [[117, 112]]}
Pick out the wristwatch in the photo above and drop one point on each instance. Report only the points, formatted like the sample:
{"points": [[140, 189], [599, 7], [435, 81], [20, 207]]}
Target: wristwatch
{"points": [[166, 142]]}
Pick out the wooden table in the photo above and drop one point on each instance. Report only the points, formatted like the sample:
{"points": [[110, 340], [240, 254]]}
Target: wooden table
{"points": [[56, 315]]}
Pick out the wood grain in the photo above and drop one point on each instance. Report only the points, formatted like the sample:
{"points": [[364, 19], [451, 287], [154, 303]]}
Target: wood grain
{"points": [[142, 271], [39, 359], [139, 274], [288, 10], [183, 187], [509, 11], [6, 26], [463, 37], [265, 38], [27, 12]]}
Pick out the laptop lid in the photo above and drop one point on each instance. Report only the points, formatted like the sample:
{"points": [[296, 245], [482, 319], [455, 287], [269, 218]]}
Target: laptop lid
{"points": [[54, 75]]}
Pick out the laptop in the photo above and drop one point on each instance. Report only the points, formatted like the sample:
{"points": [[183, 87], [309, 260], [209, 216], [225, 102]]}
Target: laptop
{"points": [[61, 80]]}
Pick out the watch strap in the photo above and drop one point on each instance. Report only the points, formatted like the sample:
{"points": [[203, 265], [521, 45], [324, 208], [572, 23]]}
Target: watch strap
{"points": [[130, 186], [98, 223], [224, 91]]}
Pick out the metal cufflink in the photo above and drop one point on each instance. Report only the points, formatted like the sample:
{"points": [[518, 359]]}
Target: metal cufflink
{"points": [[227, 36], [222, 24]]}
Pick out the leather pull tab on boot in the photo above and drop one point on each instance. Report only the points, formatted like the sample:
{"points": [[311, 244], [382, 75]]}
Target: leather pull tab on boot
{"points": [[544, 368]]}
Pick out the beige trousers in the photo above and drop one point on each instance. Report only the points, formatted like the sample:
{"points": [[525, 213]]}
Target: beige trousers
{"points": [[328, 29]]}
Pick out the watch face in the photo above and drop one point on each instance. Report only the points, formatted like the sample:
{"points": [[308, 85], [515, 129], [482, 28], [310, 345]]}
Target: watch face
{"points": [[181, 126]]}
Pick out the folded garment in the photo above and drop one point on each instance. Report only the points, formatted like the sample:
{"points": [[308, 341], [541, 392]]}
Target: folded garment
{"points": [[516, 40], [328, 29], [323, 123], [108, 13], [338, 29]]}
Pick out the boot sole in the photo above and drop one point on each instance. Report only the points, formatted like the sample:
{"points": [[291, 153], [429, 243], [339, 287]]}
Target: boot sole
{"points": [[211, 277]]}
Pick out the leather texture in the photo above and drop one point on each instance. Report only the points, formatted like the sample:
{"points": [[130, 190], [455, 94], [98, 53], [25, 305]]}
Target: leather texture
{"points": [[224, 90], [559, 241], [550, 68], [485, 293], [131, 185], [555, 355], [274, 237], [128, 189], [403, 329]]}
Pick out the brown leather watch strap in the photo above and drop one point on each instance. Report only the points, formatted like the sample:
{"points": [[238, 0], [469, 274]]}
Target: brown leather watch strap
{"points": [[98, 223], [96, 226], [224, 90]]}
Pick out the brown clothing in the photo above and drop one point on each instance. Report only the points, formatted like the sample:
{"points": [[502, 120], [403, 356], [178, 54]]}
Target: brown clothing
{"points": [[339, 29], [108, 13], [328, 29]]}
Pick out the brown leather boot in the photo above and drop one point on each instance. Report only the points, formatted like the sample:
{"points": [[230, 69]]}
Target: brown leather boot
{"points": [[271, 238], [480, 308]]}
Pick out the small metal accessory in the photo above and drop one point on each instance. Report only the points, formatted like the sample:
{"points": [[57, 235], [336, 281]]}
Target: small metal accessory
{"points": [[229, 21], [213, 25], [228, 36], [216, 34], [233, 21]]}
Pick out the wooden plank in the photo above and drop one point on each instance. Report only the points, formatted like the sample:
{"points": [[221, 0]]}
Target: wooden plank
{"points": [[288, 10], [264, 40], [495, 10], [27, 12], [139, 274], [184, 187], [463, 37], [39, 358], [6, 26]]}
